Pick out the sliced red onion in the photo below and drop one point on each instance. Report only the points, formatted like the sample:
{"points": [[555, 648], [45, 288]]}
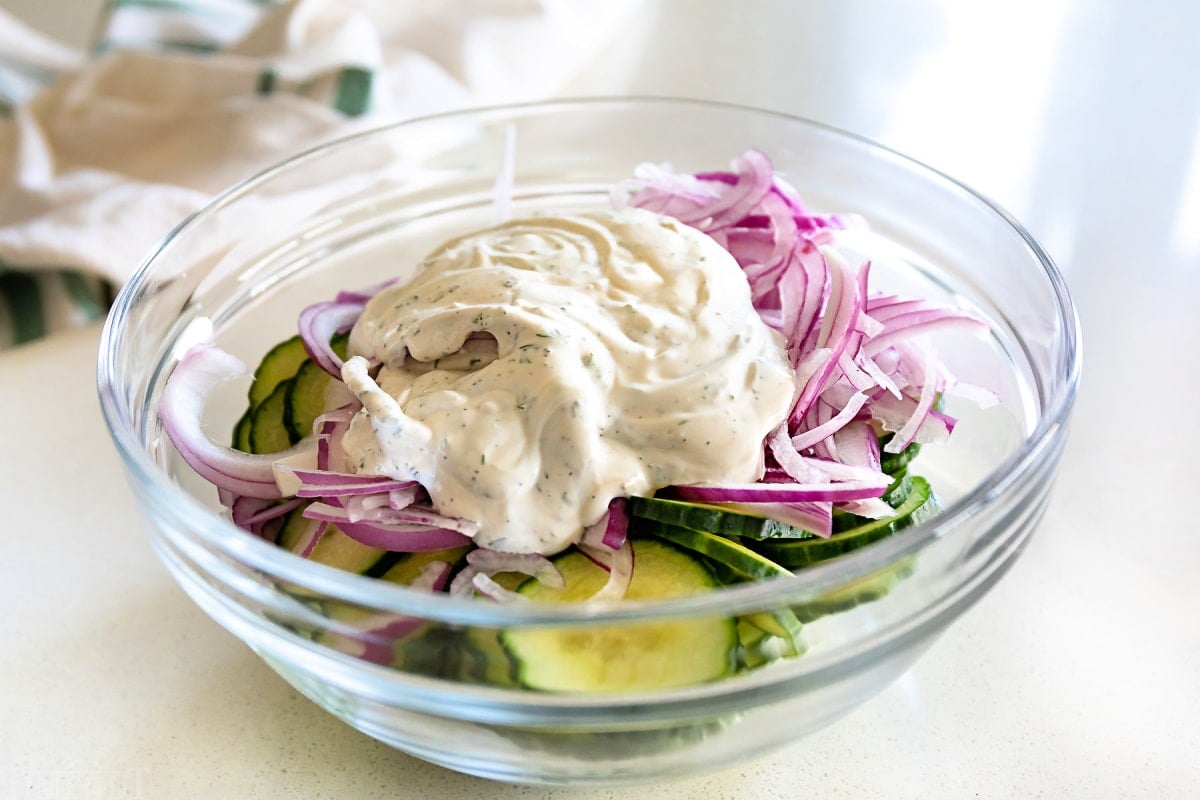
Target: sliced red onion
{"points": [[363, 296], [786, 455], [836, 333], [894, 413], [881, 378], [379, 637], [874, 508], [432, 577], [487, 586], [816, 296], [857, 361], [979, 395], [399, 538], [922, 323], [402, 539], [775, 492], [483, 563], [855, 375], [619, 563], [379, 641], [360, 506], [311, 535], [865, 475], [324, 483], [837, 422], [242, 509], [463, 581], [858, 447], [929, 390], [250, 513], [611, 529], [330, 428], [181, 409], [490, 562], [414, 515], [403, 498], [321, 322], [754, 179]]}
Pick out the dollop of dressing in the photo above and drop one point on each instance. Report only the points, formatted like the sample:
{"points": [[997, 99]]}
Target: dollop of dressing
{"points": [[536, 370]]}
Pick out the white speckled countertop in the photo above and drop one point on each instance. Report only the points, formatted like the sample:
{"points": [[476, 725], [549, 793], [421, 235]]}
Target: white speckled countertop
{"points": [[1075, 677]]}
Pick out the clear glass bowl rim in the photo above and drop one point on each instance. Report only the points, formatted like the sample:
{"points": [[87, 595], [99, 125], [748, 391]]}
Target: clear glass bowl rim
{"points": [[219, 532]]}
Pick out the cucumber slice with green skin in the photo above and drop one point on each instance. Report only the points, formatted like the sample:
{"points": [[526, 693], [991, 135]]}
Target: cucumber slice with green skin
{"points": [[893, 463], [279, 364], [734, 563], [486, 660], [267, 432], [631, 656], [241, 431], [758, 647], [907, 497], [753, 641], [305, 399], [336, 549], [306, 395], [713, 519], [739, 559], [867, 589], [782, 623]]}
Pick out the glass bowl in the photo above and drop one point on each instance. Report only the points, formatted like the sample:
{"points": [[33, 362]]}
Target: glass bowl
{"points": [[358, 210]]}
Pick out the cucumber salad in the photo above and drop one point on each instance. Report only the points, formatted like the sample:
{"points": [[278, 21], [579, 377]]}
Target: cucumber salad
{"points": [[693, 388]]}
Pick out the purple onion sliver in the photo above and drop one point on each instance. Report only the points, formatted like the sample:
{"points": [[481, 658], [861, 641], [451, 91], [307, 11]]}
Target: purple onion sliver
{"points": [[319, 323], [410, 539], [619, 564], [181, 410], [400, 538], [405, 497], [616, 528], [489, 562], [248, 515], [427, 516], [776, 493], [361, 506]]}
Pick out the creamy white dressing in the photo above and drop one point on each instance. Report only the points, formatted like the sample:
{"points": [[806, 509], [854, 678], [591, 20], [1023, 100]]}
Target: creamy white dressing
{"points": [[534, 371]]}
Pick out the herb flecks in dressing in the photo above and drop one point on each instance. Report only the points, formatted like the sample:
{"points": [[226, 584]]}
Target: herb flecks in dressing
{"points": [[533, 371]]}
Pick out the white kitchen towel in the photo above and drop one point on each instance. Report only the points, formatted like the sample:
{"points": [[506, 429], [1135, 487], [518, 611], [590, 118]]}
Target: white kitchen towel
{"points": [[101, 156]]}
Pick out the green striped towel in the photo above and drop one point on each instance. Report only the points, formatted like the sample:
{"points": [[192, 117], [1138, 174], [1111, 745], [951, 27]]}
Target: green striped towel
{"points": [[34, 303], [100, 156]]}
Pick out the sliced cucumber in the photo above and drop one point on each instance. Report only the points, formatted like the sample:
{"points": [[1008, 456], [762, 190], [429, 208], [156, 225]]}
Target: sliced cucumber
{"points": [[281, 363], [628, 657], [241, 431], [267, 432], [486, 660], [713, 519], [739, 559], [306, 395], [781, 622], [895, 463], [734, 563], [305, 399], [759, 647], [907, 497], [866, 589]]}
